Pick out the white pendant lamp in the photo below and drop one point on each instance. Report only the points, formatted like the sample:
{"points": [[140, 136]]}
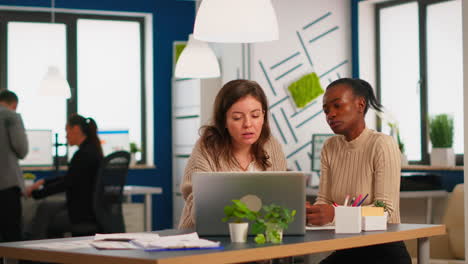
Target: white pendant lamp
{"points": [[197, 60], [54, 84], [236, 21]]}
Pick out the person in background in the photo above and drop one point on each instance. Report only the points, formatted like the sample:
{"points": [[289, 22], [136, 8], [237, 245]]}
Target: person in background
{"points": [[13, 146], [357, 161], [56, 217], [238, 139]]}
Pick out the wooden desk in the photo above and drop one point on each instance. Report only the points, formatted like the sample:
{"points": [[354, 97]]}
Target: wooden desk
{"points": [[312, 242]]}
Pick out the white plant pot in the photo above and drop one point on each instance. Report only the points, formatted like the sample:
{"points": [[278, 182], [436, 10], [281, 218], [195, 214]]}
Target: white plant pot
{"points": [[404, 159], [238, 232], [442, 157], [132, 159]]}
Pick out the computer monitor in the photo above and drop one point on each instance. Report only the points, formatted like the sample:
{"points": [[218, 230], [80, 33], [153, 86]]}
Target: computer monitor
{"points": [[40, 152], [114, 140]]}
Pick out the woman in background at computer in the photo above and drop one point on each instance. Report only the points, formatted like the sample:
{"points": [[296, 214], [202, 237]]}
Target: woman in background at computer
{"points": [[358, 161], [238, 139], [55, 217]]}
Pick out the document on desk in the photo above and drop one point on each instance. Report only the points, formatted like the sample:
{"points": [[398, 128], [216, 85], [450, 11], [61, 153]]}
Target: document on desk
{"points": [[177, 242], [67, 245], [125, 236], [323, 227]]}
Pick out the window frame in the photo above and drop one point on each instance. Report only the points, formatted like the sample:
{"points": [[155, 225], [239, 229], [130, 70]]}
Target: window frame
{"points": [[70, 20], [422, 17]]}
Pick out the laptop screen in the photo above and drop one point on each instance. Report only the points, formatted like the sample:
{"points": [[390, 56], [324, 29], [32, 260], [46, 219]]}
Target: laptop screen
{"points": [[212, 191]]}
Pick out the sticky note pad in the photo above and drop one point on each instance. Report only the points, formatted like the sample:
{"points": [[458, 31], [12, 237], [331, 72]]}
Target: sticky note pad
{"points": [[372, 211]]}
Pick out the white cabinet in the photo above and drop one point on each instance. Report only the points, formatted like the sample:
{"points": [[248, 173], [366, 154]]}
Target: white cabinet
{"points": [[192, 106]]}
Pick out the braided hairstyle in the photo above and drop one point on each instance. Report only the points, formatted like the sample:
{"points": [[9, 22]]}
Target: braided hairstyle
{"points": [[362, 89], [89, 127]]}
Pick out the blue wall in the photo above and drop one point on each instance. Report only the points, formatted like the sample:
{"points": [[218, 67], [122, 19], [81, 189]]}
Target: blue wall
{"points": [[172, 20]]}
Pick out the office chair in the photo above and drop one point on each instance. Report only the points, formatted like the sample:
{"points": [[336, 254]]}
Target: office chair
{"points": [[108, 197]]}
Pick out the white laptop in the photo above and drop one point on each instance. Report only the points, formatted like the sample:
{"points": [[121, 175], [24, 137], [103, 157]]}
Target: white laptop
{"points": [[212, 191]]}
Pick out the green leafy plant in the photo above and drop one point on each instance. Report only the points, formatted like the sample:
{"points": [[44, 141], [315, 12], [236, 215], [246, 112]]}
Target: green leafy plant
{"points": [[441, 131], [134, 147], [401, 145], [271, 221], [238, 212], [379, 203]]}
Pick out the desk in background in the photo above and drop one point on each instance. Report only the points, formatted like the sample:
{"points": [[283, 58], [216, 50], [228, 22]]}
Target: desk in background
{"points": [[147, 191], [312, 242], [428, 195]]}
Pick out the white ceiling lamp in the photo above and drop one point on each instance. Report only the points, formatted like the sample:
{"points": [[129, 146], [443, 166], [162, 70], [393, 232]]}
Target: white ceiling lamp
{"points": [[236, 21], [53, 83], [197, 60]]}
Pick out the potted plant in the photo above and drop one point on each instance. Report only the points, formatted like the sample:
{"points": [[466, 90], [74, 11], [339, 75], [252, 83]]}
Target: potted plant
{"points": [[238, 214], [133, 150], [271, 222], [441, 134], [401, 146]]}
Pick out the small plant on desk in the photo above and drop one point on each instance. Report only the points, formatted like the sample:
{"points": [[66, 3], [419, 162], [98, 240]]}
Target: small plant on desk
{"points": [[238, 213], [271, 222]]}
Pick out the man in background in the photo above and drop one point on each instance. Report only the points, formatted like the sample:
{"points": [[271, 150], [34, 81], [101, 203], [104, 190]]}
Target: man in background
{"points": [[13, 146]]}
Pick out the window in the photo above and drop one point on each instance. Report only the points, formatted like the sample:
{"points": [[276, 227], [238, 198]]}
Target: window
{"points": [[102, 57], [419, 60]]}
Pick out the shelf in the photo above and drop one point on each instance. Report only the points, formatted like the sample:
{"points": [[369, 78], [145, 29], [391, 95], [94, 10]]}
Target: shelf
{"points": [[431, 168]]}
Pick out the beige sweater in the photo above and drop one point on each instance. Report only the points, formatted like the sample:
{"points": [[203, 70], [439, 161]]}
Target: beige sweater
{"points": [[369, 164], [200, 161]]}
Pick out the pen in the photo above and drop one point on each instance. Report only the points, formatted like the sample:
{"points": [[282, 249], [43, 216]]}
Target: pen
{"points": [[359, 204], [352, 201], [346, 200], [335, 204], [357, 200]]}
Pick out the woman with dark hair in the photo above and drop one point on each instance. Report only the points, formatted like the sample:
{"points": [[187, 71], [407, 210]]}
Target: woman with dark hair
{"points": [[357, 161], [55, 217], [238, 139]]}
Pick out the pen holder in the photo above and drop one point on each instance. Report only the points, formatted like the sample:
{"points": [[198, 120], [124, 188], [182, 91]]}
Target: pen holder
{"points": [[348, 219]]}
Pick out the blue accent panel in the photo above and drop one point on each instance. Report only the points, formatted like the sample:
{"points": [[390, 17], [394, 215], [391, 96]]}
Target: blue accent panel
{"points": [[268, 78], [285, 60], [303, 109], [297, 165], [288, 72], [112, 132], [279, 129], [308, 119], [355, 38], [304, 47], [334, 68], [279, 102], [323, 34], [183, 79], [317, 20], [289, 124], [299, 149], [172, 20]]}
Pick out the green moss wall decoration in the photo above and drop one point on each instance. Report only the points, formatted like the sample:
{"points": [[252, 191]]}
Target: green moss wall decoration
{"points": [[306, 89]]}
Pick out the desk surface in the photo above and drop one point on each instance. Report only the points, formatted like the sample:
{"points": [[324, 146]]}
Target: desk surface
{"points": [[312, 242], [138, 189], [403, 194]]}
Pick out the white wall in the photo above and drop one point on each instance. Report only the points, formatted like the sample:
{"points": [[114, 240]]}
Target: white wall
{"points": [[465, 105], [330, 56]]}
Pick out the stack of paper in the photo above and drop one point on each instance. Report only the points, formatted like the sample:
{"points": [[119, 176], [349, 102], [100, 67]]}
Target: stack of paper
{"points": [[120, 240], [187, 241]]}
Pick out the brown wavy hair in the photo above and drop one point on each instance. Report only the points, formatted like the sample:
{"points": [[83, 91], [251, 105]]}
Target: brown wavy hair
{"points": [[216, 138]]}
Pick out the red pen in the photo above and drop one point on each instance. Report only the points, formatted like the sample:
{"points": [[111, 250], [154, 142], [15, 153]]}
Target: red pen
{"points": [[357, 200], [335, 204]]}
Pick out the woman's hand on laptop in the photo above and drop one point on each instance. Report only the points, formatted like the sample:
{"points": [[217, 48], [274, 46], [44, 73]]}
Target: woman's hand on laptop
{"points": [[319, 214]]}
